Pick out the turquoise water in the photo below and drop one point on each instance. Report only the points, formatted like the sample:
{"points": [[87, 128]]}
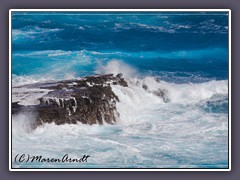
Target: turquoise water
{"points": [[187, 51], [195, 43]]}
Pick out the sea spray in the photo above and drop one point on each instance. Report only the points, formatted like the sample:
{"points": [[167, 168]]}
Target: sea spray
{"points": [[183, 55]]}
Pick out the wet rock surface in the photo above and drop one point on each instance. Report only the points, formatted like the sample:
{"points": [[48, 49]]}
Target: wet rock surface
{"points": [[89, 100]]}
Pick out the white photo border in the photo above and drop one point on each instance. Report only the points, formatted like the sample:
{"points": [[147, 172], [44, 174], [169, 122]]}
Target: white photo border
{"points": [[119, 10]]}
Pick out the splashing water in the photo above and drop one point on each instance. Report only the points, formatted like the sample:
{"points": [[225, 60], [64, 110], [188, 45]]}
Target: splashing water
{"points": [[183, 57]]}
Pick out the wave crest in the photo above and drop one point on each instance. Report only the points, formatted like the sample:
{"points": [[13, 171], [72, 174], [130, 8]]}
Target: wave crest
{"points": [[115, 67]]}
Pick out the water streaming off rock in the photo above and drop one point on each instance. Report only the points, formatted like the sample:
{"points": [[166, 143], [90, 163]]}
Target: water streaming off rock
{"points": [[172, 114]]}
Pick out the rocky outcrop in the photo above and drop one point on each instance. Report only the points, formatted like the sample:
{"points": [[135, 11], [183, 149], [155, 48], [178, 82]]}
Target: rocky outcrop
{"points": [[89, 100]]}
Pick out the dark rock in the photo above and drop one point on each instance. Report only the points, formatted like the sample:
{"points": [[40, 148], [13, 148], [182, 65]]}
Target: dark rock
{"points": [[89, 100], [145, 87], [137, 83], [119, 75], [157, 79], [163, 94], [123, 83], [16, 108]]}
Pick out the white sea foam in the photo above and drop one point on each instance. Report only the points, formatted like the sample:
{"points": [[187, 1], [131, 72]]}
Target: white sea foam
{"points": [[27, 96], [149, 132], [169, 27], [31, 32], [18, 80], [135, 100], [115, 67], [131, 25], [24, 79]]}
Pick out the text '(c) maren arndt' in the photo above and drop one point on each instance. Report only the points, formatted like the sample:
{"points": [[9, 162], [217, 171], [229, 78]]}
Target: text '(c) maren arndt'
{"points": [[27, 158]]}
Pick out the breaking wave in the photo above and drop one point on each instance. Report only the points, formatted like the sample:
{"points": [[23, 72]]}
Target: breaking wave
{"points": [[151, 131]]}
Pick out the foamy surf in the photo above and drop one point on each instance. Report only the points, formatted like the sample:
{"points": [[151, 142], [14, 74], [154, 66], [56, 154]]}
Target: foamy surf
{"points": [[174, 112], [150, 132]]}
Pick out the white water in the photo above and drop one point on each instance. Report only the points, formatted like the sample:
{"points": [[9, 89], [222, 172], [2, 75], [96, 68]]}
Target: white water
{"points": [[149, 133]]}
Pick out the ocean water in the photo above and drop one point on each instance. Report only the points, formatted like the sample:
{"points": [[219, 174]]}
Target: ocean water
{"points": [[187, 51]]}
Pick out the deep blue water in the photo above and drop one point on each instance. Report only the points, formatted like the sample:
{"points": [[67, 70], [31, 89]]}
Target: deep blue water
{"points": [[188, 51], [171, 45]]}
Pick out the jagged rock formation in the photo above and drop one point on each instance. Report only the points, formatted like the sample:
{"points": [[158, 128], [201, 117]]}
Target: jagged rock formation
{"points": [[89, 100]]}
